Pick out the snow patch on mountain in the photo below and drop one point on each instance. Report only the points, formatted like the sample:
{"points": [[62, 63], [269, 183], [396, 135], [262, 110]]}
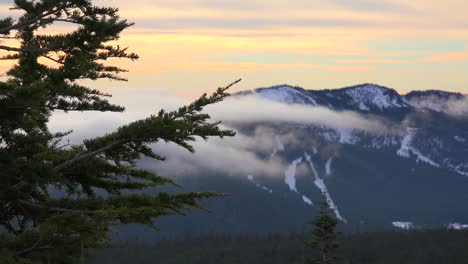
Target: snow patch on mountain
{"points": [[459, 171], [307, 200], [346, 136], [285, 94], [251, 178], [406, 149], [457, 226], [403, 225], [363, 107], [278, 147], [314, 149], [323, 188], [371, 95], [290, 174], [423, 158], [328, 166], [379, 142]]}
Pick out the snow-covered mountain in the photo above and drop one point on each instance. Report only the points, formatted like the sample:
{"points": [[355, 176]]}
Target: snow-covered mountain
{"points": [[432, 134], [415, 178], [364, 97], [439, 101]]}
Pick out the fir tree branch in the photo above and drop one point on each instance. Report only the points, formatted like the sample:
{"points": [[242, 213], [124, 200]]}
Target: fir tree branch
{"points": [[86, 155], [35, 50], [52, 59], [7, 29], [31, 248], [189, 110], [56, 209]]}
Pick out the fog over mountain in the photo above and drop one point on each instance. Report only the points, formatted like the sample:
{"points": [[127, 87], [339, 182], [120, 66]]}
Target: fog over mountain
{"points": [[236, 111], [383, 159]]}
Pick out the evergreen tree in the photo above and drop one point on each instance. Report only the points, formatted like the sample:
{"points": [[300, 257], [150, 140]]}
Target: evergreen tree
{"points": [[324, 237], [36, 225]]}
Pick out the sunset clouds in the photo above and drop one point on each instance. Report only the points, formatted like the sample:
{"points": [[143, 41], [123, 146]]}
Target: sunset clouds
{"points": [[402, 44]]}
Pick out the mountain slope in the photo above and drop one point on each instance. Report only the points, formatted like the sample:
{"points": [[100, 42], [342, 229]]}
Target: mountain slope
{"points": [[416, 177]]}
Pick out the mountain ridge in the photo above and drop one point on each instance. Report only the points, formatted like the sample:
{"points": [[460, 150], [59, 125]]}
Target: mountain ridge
{"points": [[365, 97], [355, 86]]}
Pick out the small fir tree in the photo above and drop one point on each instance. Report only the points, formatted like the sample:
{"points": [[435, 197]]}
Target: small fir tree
{"points": [[324, 237]]}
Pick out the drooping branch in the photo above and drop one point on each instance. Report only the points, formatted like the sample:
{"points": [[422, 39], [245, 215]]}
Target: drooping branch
{"points": [[56, 209], [31, 248], [32, 50], [86, 155], [21, 24], [186, 111], [52, 59]]}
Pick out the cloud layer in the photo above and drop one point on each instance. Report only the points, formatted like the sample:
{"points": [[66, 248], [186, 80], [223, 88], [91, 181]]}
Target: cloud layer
{"points": [[243, 154], [395, 43], [455, 106], [251, 109]]}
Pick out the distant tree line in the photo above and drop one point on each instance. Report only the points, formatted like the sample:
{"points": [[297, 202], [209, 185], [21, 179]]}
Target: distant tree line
{"points": [[322, 244], [389, 247]]}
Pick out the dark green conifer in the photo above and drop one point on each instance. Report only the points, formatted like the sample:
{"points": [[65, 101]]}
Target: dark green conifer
{"points": [[36, 226], [324, 237]]}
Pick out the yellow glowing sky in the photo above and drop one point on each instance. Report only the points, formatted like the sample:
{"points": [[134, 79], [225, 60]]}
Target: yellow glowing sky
{"points": [[191, 46]]}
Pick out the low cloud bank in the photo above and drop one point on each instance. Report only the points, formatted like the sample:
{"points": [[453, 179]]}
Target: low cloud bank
{"points": [[242, 155], [251, 109], [233, 156], [454, 105]]}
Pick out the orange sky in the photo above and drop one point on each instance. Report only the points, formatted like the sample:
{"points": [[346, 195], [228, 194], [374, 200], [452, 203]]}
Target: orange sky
{"points": [[192, 46]]}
